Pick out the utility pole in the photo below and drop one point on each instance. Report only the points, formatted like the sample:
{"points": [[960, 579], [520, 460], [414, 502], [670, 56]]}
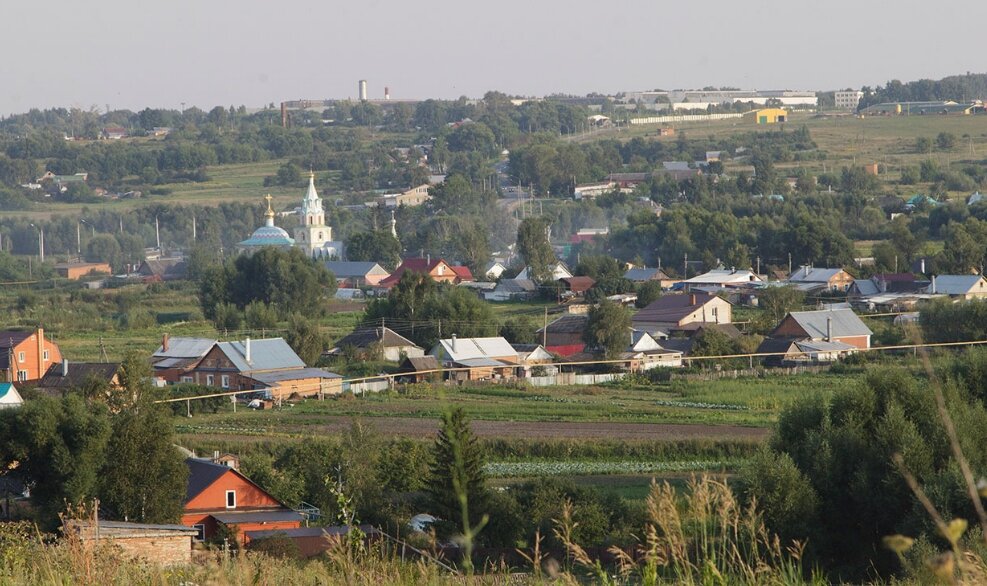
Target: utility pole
{"points": [[193, 227], [789, 263], [685, 266], [544, 331], [157, 232]]}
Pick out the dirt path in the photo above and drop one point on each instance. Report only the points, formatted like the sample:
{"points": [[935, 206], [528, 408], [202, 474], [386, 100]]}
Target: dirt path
{"points": [[409, 427]]}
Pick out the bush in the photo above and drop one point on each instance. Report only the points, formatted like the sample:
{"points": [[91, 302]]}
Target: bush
{"points": [[278, 545]]}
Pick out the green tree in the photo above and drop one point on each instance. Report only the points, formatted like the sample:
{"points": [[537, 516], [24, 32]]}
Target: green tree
{"points": [[260, 316], [305, 338], [778, 301], [289, 280], [945, 141], [377, 246], [923, 144], [534, 248], [144, 478], [843, 452], [104, 248], [608, 329], [457, 484], [59, 445], [648, 292]]}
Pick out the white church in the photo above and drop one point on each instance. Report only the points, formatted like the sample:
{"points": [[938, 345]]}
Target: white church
{"points": [[312, 235]]}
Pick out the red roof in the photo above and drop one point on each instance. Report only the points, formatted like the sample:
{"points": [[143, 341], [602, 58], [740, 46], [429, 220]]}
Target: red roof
{"points": [[463, 272], [578, 284], [420, 265]]}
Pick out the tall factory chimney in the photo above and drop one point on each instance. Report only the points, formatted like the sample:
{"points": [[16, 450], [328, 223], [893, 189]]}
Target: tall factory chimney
{"points": [[363, 90], [387, 93]]}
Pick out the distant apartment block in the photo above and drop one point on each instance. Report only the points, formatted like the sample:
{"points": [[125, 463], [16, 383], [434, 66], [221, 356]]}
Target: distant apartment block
{"points": [[848, 100]]}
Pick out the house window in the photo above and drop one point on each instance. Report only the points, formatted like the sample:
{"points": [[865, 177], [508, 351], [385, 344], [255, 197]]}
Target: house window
{"points": [[714, 311], [231, 499], [20, 357], [209, 380], [186, 379], [201, 535], [22, 375], [226, 381], [46, 355]]}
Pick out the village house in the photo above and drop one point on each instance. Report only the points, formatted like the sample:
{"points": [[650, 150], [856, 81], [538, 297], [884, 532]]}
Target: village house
{"points": [[816, 336], [484, 358], [576, 285], [419, 369], [813, 279], [220, 496], [66, 376], [557, 271], [535, 360], [354, 274], [564, 335], [25, 356], [368, 342], [958, 286], [628, 180], [675, 312], [269, 364], [164, 545], [721, 278], [415, 196], [74, 271], [512, 289], [114, 132], [645, 353], [439, 270], [177, 356], [680, 170], [494, 270], [592, 190], [644, 274], [9, 397], [163, 269]]}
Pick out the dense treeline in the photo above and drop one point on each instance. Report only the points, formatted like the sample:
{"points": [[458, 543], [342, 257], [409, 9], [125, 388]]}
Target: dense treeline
{"points": [[969, 87]]}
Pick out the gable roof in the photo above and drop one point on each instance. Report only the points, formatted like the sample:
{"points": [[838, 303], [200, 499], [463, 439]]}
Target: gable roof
{"points": [[578, 284], [418, 265], [956, 284], [813, 275], [472, 348], [201, 475], [720, 276], [267, 354], [645, 274], [517, 286], [347, 269], [672, 308], [9, 395], [567, 324], [78, 373], [419, 364], [8, 340], [364, 337], [845, 323], [166, 268], [185, 348], [463, 272]]}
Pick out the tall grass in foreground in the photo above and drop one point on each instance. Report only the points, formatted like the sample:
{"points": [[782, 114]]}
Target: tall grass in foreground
{"points": [[702, 537]]}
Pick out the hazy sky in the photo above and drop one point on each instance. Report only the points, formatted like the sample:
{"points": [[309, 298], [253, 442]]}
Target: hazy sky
{"points": [[132, 54]]}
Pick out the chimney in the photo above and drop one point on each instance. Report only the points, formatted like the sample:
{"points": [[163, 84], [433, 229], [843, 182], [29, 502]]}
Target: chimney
{"points": [[454, 342], [829, 329], [215, 456], [65, 366], [428, 259], [41, 353], [806, 267], [164, 342], [933, 285], [922, 269], [246, 350], [692, 299]]}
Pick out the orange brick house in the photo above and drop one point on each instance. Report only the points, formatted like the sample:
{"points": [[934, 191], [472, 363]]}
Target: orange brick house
{"points": [[76, 270], [26, 356], [440, 271], [827, 325], [220, 496]]}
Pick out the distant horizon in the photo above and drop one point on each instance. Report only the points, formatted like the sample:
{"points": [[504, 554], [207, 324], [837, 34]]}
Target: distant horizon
{"points": [[102, 109], [82, 55]]}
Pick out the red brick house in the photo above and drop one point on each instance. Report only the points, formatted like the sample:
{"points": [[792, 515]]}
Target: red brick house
{"points": [[218, 496], [440, 271], [26, 356]]}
